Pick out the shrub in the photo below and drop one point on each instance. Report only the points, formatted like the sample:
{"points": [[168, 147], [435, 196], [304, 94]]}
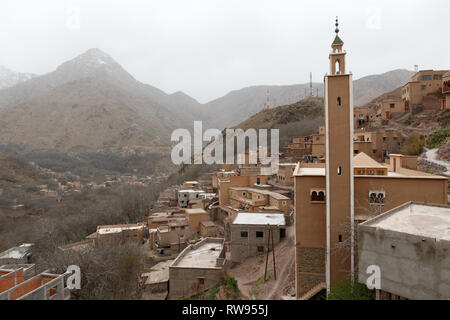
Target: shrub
{"points": [[413, 145]]}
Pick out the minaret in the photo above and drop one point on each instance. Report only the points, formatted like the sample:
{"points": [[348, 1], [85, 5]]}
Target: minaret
{"points": [[338, 94]]}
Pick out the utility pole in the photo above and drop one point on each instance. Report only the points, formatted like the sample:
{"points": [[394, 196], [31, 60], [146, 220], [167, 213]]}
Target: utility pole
{"points": [[269, 238], [310, 85]]}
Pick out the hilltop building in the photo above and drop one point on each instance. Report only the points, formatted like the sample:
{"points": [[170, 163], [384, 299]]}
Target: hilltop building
{"points": [[331, 197], [422, 84]]}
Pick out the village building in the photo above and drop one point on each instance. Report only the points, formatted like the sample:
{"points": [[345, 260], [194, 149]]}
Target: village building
{"points": [[114, 235], [250, 233], [388, 107], [14, 285], [285, 177], [446, 91], [208, 229], [156, 281], [422, 84], [197, 268], [330, 198], [298, 149], [410, 244], [17, 255], [184, 196]]}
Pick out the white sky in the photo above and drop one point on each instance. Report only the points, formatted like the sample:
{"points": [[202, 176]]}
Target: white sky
{"points": [[207, 48]]}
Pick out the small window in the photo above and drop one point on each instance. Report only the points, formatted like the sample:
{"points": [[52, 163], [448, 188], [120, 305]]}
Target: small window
{"points": [[201, 281], [392, 105], [339, 171], [340, 238], [259, 234], [244, 234], [258, 180], [244, 194], [339, 102], [321, 196], [283, 203]]}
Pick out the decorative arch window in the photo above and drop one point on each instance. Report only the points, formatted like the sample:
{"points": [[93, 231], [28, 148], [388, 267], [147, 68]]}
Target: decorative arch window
{"points": [[337, 67], [318, 195], [321, 196]]}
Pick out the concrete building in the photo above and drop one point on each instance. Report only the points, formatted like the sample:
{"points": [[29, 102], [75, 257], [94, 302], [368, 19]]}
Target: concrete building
{"points": [[422, 83], [114, 235], [298, 149], [156, 280], [197, 268], [186, 195], [250, 232], [45, 286], [208, 229], [285, 176], [194, 217], [410, 244], [17, 255], [388, 107], [331, 198]]}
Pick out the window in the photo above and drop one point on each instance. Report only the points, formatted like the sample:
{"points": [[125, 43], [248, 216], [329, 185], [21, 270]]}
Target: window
{"points": [[244, 234], [339, 171], [377, 197], [321, 196], [340, 238], [356, 151], [374, 151], [283, 203], [244, 194], [259, 234], [201, 281], [314, 196], [339, 102], [392, 105], [258, 180]]}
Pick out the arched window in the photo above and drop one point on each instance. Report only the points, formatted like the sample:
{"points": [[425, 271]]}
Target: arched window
{"points": [[321, 196], [337, 67], [314, 196], [339, 171]]}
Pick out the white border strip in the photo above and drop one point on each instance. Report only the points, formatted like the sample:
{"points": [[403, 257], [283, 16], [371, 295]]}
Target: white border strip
{"points": [[327, 175], [352, 181]]}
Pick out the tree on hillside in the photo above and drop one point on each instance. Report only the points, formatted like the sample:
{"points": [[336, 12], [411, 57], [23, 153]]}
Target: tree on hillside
{"points": [[413, 145]]}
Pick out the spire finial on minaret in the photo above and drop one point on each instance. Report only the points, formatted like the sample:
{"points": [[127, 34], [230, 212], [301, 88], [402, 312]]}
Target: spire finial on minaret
{"points": [[337, 25]]}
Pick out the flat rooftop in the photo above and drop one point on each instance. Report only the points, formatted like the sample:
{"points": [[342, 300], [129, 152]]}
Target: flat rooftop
{"points": [[259, 218], [203, 254], [117, 229], [414, 218]]}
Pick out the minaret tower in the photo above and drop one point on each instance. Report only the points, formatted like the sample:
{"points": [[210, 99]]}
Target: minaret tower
{"points": [[338, 94]]}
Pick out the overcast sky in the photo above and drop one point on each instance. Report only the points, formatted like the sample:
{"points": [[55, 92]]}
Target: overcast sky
{"points": [[207, 48]]}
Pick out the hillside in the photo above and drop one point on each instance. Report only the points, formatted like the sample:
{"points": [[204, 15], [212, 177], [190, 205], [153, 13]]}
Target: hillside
{"points": [[370, 87], [14, 173], [242, 104]]}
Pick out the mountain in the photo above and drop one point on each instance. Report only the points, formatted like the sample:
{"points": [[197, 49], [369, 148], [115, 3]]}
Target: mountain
{"points": [[90, 102], [370, 87], [9, 78], [241, 104]]}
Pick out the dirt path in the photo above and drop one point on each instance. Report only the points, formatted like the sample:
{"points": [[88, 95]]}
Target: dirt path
{"points": [[250, 273]]}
